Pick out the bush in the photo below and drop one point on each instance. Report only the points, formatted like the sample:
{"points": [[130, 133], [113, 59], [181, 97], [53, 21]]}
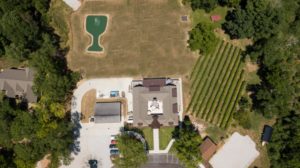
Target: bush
{"points": [[202, 38]]}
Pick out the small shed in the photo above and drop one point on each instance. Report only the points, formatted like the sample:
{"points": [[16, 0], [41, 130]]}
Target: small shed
{"points": [[208, 148], [215, 18], [267, 134]]}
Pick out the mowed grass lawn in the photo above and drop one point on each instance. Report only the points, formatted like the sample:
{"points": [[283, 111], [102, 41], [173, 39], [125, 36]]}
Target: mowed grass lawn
{"points": [[142, 38], [148, 134], [165, 135], [200, 16]]}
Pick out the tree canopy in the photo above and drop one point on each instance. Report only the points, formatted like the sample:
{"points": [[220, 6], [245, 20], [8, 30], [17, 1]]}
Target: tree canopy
{"points": [[21, 134], [132, 152], [276, 49], [21, 28], [202, 38], [257, 20], [187, 144], [27, 135], [209, 5]]}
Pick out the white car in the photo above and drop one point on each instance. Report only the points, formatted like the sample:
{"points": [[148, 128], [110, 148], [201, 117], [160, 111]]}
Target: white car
{"points": [[113, 137], [130, 119]]}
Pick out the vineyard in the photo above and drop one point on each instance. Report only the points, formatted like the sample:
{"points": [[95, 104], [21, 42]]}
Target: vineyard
{"points": [[217, 84]]}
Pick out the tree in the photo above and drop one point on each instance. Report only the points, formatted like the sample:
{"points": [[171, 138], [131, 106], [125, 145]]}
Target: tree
{"points": [[23, 132], [53, 80], [284, 146], [187, 144], [278, 93], [257, 20], [243, 114], [202, 38], [27, 136], [230, 3], [207, 5], [132, 152]]}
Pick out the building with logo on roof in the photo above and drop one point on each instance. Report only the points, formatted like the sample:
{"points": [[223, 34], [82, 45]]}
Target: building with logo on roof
{"points": [[155, 102]]}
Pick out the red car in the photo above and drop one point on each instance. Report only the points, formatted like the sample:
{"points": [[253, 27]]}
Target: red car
{"points": [[113, 142]]}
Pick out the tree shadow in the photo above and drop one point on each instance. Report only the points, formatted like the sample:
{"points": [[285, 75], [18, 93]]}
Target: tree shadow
{"points": [[75, 118], [131, 128]]}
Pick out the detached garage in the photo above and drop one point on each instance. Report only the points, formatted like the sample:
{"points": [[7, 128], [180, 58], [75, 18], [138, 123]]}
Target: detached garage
{"points": [[107, 112]]}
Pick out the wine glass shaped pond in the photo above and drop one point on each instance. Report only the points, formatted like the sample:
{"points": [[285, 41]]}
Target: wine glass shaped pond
{"points": [[95, 26]]}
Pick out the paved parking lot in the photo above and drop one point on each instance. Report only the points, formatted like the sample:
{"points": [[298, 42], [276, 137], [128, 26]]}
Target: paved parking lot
{"points": [[94, 138], [103, 87], [94, 144]]}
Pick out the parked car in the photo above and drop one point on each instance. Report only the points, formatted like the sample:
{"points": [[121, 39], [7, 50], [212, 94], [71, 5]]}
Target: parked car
{"points": [[113, 146], [130, 119], [113, 142], [113, 137], [114, 152]]}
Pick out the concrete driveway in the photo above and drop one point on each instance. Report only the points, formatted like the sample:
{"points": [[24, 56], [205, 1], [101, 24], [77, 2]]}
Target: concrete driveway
{"points": [[94, 139], [94, 144], [103, 87]]}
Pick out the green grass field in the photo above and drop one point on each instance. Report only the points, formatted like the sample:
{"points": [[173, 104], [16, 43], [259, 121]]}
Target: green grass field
{"points": [[165, 135], [217, 84], [200, 15], [148, 133]]}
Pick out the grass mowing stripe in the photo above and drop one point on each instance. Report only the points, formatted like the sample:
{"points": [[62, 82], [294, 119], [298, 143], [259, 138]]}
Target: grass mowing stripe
{"points": [[206, 61], [196, 67], [215, 77], [200, 62], [230, 96], [231, 104], [209, 79], [217, 84], [206, 78], [225, 91], [227, 123], [205, 68], [230, 69], [200, 73]]}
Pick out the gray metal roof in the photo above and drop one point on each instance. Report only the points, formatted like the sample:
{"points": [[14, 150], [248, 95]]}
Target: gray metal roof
{"points": [[267, 133], [18, 82], [107, 112]]}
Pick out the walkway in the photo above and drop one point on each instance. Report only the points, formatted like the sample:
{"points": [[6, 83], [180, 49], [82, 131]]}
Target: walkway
{"points": [[156, 149], [156, 140]]}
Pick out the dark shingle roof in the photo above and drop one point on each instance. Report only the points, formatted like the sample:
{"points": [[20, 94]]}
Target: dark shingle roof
{"points": [[154, 82], [18, 82]]}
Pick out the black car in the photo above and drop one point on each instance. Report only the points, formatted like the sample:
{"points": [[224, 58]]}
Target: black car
{"points": [[112, 146]]}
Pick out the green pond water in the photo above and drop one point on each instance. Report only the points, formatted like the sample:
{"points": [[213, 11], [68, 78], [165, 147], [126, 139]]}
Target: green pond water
{"points": [[96, 25]]}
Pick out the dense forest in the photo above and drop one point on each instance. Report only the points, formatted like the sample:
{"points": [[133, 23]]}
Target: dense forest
{"points": [[274, 28], [26, 136]]}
